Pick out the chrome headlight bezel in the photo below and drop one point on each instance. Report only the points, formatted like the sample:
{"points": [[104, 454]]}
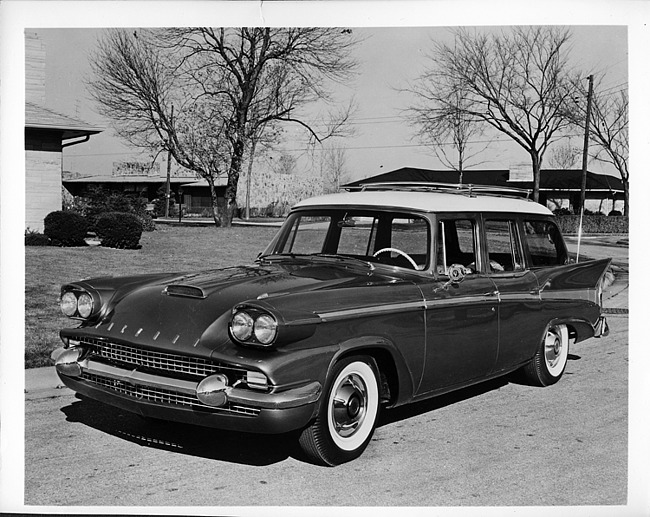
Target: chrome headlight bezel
{"points": [[78, 304], [251, 326]]}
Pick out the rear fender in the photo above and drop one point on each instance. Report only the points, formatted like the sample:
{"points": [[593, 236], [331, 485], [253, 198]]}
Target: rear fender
{"points": [[582, 281]]}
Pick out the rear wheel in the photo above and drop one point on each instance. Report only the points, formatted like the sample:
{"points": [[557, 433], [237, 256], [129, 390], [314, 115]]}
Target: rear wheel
{"points": [[550, 360], [347, 415]]}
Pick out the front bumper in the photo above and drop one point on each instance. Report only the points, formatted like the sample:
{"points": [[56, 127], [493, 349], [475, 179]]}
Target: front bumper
{"points": [[177, 400]]}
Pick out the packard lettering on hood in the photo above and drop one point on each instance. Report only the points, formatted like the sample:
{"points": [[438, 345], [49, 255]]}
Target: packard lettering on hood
{"points": [[363, 301]]}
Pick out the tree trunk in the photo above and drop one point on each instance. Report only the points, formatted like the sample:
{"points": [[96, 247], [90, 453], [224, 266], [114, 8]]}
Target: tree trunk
{"points": [[230, 203], [626, 194], [216, 212], [537, 169]]}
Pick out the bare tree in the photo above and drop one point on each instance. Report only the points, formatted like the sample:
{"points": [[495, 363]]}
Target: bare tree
{"points": [[224, 87], [516, 81], [445, 126], [285, 164], [608, 127], [564, 156], [333, 168]]}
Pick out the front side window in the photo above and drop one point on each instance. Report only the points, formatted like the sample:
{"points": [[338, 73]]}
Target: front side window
{"points": [[394, 239], [503, 248], [545, 243]]}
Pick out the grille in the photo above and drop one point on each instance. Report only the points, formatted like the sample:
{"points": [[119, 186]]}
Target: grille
{"points": [[163, 396], [159, 361]]}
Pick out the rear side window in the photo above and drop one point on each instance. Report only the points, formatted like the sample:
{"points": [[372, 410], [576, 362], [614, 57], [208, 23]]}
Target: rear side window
{"points": [[456, 244], [545, 243], [502, 246]]}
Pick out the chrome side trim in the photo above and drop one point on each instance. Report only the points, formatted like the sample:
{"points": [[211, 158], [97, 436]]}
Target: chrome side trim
{"points": [[590, 294], [523, 297], [371, 311], [462, 300]]}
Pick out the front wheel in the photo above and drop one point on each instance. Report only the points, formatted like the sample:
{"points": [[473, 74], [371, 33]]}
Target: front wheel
{"points": [[347, 415], [550, 360]]}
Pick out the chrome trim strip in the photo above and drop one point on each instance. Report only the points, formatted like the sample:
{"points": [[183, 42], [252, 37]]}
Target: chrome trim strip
{"points": [[462, 300], [590, 294], [370, 311], [523, 297]]}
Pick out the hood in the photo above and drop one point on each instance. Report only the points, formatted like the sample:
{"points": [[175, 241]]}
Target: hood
{"points": [[174, 312]]}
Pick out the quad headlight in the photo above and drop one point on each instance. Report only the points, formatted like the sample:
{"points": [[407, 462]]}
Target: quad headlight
{"points": [[77, 304], [254, 328]]}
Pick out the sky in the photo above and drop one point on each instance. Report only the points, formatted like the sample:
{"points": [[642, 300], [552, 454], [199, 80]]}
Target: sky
{"points": [[390, 59]]}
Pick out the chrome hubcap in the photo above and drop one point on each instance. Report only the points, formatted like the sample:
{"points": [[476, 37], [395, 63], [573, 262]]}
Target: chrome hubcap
{"points": [[553, 348], [350, 404]]}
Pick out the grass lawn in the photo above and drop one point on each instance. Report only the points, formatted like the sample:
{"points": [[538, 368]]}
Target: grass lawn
{"points": [[166, 249]]}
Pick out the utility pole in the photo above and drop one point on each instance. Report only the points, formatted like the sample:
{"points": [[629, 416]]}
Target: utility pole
{"points": [[169, 174], [585, 150]]}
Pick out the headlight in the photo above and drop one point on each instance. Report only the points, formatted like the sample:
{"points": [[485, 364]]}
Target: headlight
{"points": [[69, 304], [77, 304], [265, 329], [253, 327], [85, 305], [241, 326]]}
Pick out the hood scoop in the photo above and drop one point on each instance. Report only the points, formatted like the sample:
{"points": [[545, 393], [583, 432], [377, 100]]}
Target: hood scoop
{"points": [[187, 291]]}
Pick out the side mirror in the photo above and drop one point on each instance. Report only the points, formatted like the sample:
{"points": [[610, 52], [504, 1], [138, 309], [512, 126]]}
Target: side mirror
{"points": [[456, 273]]}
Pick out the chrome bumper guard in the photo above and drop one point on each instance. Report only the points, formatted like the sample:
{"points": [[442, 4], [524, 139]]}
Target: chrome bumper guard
{"points": [[601, 328], [211, 391]]}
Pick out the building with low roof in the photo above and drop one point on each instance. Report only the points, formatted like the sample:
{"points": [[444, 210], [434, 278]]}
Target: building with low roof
{"points": [[47, 134], [558, 188]]}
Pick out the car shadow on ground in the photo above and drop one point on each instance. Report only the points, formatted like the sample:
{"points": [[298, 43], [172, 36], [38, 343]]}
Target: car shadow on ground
{"points": [[237, 447], [234, 447], [418, 408]]}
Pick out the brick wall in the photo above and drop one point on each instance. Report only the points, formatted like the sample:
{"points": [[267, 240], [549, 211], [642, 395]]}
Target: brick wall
{"points": [[34, 69], [43, 183]]}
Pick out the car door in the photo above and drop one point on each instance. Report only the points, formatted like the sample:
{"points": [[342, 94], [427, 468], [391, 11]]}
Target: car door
{"points": [[461, 317], [520, 318]]}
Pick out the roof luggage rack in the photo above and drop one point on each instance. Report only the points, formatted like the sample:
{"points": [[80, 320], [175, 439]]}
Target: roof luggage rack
{"points": [[453, 188]]}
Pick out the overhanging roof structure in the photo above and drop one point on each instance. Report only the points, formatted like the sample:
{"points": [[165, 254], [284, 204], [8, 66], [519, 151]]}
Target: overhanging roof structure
{"points": [[39, 117], [550, 179]]}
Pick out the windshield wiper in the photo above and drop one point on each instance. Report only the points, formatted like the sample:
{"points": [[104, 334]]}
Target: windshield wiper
{"points": [[345, 258], [310, 256]]}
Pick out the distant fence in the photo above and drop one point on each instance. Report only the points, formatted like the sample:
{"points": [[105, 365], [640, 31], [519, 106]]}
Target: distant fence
{"points": [[593, 224]]}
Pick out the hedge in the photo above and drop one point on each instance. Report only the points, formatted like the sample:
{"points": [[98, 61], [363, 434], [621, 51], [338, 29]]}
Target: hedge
{"points": [[569, 224], [65, 228], [119, 230]]}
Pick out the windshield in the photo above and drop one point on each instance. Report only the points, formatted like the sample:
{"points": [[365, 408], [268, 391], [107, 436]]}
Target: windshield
{"points": [[396, 239]]}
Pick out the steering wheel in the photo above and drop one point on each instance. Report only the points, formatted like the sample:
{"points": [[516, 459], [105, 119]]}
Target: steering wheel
{"points": [[399, 252]]}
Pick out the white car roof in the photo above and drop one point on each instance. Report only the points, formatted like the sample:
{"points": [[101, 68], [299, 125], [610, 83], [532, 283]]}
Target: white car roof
{"points": [[427, 202]]}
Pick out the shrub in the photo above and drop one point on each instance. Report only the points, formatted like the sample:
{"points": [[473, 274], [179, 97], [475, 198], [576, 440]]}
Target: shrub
{"points": [[119, 230], [569, 224], [615, 213], [66, 228], [33, 238], [159, 202]]}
